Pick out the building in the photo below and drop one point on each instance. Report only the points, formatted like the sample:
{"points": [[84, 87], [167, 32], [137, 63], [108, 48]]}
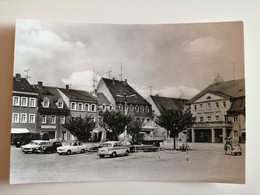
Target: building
{"points": [[220, 112], [79, 103], [24, 107], [159, 103], [123, 97], [52, 113]]}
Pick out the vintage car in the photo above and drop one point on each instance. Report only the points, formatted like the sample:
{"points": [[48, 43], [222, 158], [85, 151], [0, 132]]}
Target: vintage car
{"points": [[113, 149], [49, 147], [72, 147], [33, 146]]}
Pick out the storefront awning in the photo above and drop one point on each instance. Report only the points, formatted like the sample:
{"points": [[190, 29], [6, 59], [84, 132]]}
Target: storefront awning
{"points": [[19, 130]]}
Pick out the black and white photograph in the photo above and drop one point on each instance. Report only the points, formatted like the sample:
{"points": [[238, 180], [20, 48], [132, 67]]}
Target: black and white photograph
{"points": [[128, 102]]}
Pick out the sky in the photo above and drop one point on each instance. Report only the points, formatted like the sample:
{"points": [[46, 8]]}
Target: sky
{"points": [[171, 60]]}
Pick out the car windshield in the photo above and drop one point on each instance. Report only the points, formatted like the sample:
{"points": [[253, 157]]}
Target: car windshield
{"points": [[68, 144], [34, 143], [107, 145], [43, 143]]}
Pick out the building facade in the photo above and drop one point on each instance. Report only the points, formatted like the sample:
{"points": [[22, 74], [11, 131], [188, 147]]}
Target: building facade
{"points": [[52, 113], [24, 107], [217, 111]]}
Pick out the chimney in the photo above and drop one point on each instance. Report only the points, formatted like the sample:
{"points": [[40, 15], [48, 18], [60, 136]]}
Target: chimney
{"points": [[113, 80], [18, 77], [40, 84], [67, 87]]}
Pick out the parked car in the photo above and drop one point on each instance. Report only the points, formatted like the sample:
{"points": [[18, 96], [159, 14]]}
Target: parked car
{"points": [[113, 149], [33, 146], [49, 147], [72, 147]]}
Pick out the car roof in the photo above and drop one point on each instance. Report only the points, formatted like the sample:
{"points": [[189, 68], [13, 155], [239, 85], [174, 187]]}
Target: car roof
{"points": [[40, 141], [111, 142]]}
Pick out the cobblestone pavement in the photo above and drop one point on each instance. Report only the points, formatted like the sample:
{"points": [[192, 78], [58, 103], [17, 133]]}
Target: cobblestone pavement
{"points": [[205, 162]]}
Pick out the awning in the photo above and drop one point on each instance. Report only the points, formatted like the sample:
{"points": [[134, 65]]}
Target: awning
{"points": [[19, 130]]}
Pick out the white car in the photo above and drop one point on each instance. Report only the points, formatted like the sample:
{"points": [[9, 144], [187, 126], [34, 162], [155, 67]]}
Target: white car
{"points": [[113, 149], [33, 146], [72, 147]]}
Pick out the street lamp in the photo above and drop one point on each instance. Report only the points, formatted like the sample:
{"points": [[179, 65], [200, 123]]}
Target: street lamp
{"points": [[126, 96]]}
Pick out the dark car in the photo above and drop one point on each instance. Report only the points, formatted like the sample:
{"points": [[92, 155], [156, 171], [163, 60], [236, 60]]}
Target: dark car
{"points": [[49, 147]]}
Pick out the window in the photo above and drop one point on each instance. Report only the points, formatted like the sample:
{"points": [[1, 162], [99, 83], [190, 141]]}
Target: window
{"points": [[148, 120], [60, 103], [142, 109], [93, 107], [136, 108], [31, 118], [110, 107], [217, 105], [224, 104], [32, 102], [195, 107], [62, 119], [235, 118], [92, 119], [201, 106], [147, 109], [23, 118], [73, 106], [226, 119], [43, 119], [15, 118], [208, 98], [80, 107], [53, 119], [217, 118], [208, 106], [103, 106], [143, 119], [16, 101], [87, 107], [209, 118], [201, 119], [46, 102], [24, 101], [131, 107]]}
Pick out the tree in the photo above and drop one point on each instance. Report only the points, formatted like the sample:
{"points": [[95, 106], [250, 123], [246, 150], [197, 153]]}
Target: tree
{"points": [[134, 128], [115, 121], [80, 127], [175, 121]]}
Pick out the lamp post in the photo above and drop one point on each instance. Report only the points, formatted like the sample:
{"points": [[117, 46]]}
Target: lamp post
{"points": [[126, 109]]}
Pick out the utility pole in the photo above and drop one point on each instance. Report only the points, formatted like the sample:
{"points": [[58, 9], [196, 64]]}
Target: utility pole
{"points": [[109, 73], [121, 75], [151, 89], [27, 74], [94, 80]]}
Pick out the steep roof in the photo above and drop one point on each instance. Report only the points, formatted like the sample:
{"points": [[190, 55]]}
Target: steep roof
{"points": [[77, 95], [237, 106], [231, 89], [168, 103], [101, 98], [22, 85], [122, 87], [53, 95]]}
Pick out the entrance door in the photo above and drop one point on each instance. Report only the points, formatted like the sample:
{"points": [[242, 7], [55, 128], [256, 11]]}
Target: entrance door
{"points": [[203, 135]]}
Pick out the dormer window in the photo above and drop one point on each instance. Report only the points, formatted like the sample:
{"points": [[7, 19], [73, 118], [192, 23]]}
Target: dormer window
{"points": [[60, 103], [137, 108], [46, 102], [142, 109], [147, 109]]}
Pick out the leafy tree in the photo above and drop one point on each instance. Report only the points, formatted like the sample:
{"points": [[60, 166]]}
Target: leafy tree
{"points": [[114, 120], [134, 128], [80, 127], [175, 121]]}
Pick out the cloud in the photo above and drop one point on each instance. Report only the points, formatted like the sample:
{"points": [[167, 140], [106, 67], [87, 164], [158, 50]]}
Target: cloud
{"points": [[81, 80], [80, 44], [205, 46], [169, 91]]}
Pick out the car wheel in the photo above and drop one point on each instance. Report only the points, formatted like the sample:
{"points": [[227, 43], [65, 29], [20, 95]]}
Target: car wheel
{"points": [[113, 154], [68, 152], [82, 151], [101, 156], [60, 153], [127, 153], [26, 152]]}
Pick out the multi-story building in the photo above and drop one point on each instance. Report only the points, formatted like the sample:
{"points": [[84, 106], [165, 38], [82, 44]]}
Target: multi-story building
{"points": [[123, 97], [24, 107], [220, 112], [52, 113], [80, 103], [159, 103]]}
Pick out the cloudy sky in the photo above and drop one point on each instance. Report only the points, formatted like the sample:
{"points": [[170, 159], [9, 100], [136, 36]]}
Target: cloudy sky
{"points": [[177, 60]]}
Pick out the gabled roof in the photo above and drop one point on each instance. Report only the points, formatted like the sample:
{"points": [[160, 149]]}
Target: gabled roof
{"points": [[22, 85], [101, 98], [53, 95], [77, 95], [231, 89], [122, 87], [237, 106], [168, 103]]}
